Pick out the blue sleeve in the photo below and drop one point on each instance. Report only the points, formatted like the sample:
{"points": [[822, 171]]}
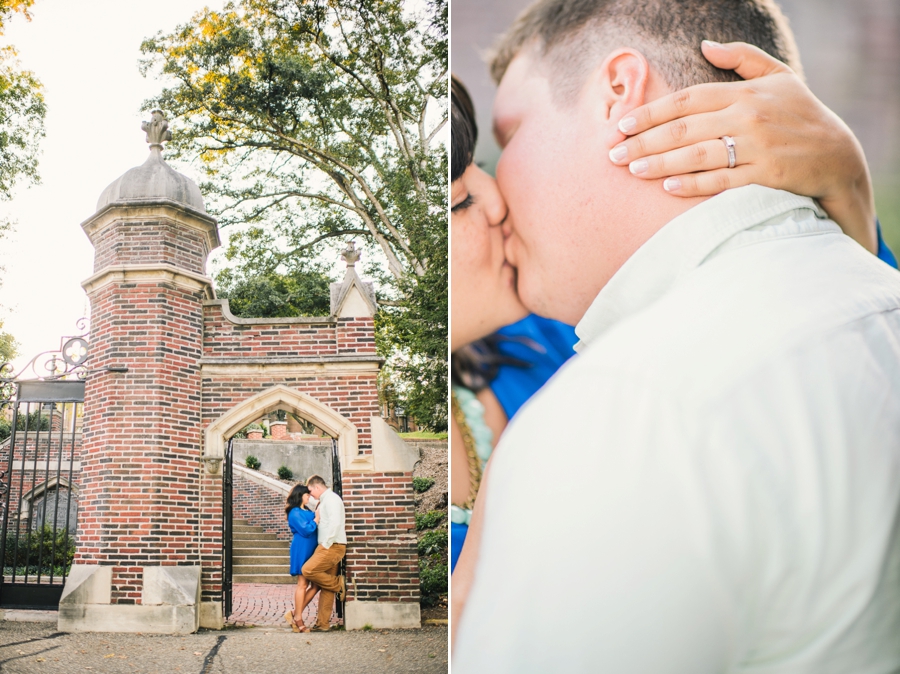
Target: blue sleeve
{"points": [[301, 524], [544, 345], [884, 253], [308, 525]]}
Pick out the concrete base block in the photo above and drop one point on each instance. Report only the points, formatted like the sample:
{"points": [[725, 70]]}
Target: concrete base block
{"points": [[381, 614], [175, 585], [170, 601], [211, 615], [128, 618], [87, 584]]}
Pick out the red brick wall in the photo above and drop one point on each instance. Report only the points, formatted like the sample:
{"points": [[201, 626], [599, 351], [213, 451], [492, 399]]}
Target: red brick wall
{"points": [[259, 506], [160, 240], [312, 337], [382, 559], [224, 338]]}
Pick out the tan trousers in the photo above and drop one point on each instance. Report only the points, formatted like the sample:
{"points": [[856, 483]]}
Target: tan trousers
{"points": [[322, 569]]}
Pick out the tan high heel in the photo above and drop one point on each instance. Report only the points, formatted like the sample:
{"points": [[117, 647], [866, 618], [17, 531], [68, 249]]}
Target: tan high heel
{"points": [[289, 616]]}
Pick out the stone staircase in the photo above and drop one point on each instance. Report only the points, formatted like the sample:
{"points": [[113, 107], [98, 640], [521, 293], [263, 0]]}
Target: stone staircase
{"points": [[259, 557]]}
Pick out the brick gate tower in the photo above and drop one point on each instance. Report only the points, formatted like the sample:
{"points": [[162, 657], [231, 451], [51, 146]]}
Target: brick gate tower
{"points": [[137, 565]]}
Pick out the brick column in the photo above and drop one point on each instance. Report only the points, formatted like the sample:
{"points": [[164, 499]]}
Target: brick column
{"points": [[143, 488]]}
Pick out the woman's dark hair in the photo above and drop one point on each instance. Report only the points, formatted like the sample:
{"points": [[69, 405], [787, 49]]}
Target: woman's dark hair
{"points": [[474, 365], [477, 364], [295, 498], [463, 130]]}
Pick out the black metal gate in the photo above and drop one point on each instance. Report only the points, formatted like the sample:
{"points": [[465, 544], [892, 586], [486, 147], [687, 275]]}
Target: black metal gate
{"points": [[38, 490], [338, 488], [227, 528]]}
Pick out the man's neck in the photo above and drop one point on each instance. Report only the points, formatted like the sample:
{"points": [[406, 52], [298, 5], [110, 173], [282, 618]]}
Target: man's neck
{"points": [[645, 209]]}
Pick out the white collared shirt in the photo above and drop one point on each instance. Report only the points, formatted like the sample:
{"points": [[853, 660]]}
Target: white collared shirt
{"points": [[724, 460], [331, 520]]}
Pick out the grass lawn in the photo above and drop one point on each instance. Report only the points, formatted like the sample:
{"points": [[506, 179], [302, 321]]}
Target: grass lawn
{"points": [[424, 435]]}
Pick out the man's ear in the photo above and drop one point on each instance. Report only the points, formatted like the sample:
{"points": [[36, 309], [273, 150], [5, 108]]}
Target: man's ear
{"points": [[619, 84]]}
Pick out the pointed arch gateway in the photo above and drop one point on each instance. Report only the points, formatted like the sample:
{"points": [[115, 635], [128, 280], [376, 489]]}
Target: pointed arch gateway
{"points": [[320, 414]]}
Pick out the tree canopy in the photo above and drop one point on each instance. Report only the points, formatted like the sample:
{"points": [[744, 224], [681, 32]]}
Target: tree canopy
{"points": [[21, 112], [319, 121]]}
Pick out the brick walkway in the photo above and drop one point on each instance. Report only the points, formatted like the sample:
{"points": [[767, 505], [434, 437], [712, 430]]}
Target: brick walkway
{"points": [[260, 604]]}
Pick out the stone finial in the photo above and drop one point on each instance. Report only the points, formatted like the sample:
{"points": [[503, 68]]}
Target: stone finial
{"points": [[157, 129], [350, 255]]}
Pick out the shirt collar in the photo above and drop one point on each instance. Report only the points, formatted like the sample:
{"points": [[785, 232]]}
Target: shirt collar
{"points": [[680, 247]]}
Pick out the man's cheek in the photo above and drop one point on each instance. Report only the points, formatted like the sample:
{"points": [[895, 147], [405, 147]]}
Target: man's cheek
{"points": [[514, 171]]}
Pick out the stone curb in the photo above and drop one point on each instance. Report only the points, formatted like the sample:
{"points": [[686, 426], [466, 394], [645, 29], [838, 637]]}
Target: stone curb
{"points": [[29, 616]]}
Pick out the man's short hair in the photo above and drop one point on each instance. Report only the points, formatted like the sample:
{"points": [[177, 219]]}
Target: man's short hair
{"points": [[315, 479], [573, 36]]}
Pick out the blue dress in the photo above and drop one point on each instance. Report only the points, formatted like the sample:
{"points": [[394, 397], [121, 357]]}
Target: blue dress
{"points": [[303, 525], [543, 344]]}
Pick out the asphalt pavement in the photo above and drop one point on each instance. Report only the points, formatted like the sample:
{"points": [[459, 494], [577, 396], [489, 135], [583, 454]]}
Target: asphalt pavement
{"points": [[27, 647]]}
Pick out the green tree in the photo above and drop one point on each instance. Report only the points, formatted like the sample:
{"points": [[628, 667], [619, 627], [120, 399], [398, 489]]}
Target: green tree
{"points": [[22, 112], [8, 346], [317, 121], [262, 284]]}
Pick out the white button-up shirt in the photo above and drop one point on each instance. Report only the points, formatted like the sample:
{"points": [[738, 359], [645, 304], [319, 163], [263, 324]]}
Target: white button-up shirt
{"points": [[713, 484], [331, 520]]}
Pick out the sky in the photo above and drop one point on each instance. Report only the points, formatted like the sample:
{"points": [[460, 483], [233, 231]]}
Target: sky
{"points": [[86, 55]]}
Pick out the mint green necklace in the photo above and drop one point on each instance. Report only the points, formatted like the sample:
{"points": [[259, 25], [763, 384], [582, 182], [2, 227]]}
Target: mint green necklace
{"points": [[478, 440]]}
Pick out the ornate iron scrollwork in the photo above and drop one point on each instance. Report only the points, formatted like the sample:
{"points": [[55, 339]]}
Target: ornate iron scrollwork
{"points": [[68, 362]]}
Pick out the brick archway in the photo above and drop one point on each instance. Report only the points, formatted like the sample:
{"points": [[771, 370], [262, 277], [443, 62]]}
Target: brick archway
{"points": [[320, 414]]}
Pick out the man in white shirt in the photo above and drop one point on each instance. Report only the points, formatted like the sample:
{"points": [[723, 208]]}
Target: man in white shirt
{"points": [[322, 567], [724, 452]]}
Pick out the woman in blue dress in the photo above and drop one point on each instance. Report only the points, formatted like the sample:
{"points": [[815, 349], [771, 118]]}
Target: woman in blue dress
{"points": [[303, 523]]}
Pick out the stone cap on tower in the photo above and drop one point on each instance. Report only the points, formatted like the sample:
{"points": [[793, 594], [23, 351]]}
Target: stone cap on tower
{"points": [[353, 297], [154, 180]]}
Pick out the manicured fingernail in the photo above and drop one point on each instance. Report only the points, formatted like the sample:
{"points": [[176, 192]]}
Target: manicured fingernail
{"points": [[626, 124], [618, 153], [671, 184], [638, 167], [711, 43]]}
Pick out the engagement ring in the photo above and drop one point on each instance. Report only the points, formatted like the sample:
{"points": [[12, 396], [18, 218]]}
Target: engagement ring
{"points": [[729, 145]]}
